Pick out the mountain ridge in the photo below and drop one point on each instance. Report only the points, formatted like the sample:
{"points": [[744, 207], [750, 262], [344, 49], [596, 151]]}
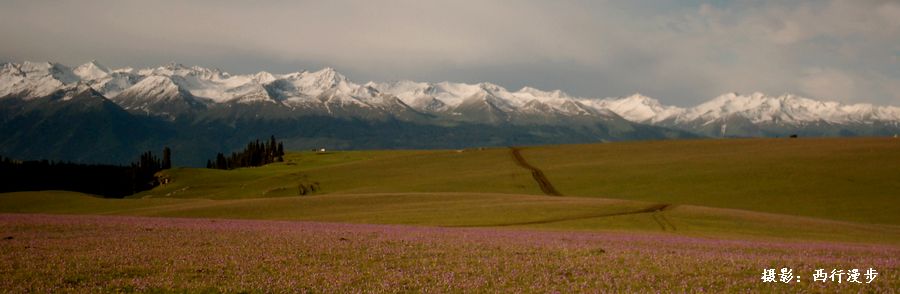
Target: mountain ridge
{"points": [[331, 88], [199, 111]]}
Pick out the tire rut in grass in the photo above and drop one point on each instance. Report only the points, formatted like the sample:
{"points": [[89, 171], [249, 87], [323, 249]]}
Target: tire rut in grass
{"points": [[536, 173], [650, 209], [660, 218], [655, 210]]}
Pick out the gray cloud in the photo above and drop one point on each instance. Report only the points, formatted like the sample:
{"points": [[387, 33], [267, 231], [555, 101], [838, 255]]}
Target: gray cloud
{"points": [[682, 52]]}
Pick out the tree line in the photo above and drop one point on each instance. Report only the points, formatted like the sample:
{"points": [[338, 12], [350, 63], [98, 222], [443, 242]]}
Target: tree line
{"points": [[110, 181], [255, 154]]}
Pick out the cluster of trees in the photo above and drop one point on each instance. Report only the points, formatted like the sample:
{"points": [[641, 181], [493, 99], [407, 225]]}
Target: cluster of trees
{"points": [[111, 181], [255, 154], [149, 162]]}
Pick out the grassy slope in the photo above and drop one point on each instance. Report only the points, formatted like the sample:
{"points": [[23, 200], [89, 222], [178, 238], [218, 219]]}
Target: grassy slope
{"points": [[842, 179], [784, 181], [466, 210], [489, 170]]}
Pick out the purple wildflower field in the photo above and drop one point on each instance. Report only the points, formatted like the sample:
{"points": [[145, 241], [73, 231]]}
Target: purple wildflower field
{"points": [[52, 253]]}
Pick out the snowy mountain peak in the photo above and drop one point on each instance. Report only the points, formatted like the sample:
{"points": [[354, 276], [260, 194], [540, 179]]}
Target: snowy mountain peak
{"points": [[32, 66], [264, 77], [34, 79], [11, 69], [178, 69], [639, 99], [328, 77], [208, 73], [491, 88], [54, 70], [638, 108], [157, 87], [540, 93], [92, 71], [305, 85]]}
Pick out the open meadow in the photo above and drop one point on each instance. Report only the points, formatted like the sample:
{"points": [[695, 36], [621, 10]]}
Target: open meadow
{"points": [[116, 254], [667, 216]]}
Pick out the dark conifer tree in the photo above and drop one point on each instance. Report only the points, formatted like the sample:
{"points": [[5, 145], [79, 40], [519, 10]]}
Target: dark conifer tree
{"points": [[280, 152], [167, 158], [221, 162]]}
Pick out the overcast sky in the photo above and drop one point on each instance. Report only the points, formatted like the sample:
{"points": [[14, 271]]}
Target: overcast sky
{"points": [[681, 52]]}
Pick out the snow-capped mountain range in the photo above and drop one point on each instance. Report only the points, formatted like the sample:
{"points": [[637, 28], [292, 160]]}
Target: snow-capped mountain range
{"points": [[756, 107], [323, 92], [93, 113], [174, 88]]}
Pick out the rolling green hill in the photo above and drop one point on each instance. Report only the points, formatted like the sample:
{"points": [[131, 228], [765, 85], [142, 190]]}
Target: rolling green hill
{"points": [[488, 170], [842, 179]]}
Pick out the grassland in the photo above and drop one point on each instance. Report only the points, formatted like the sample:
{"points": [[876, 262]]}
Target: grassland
{"points": [[355, 172], [471, 210], [96, 254], [842, 179], [833, 189], [787, 191]]}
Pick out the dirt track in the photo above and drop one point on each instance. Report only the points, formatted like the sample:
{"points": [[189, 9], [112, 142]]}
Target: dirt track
{"points": [[656, 210], [538, 175], [661, 219]]}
